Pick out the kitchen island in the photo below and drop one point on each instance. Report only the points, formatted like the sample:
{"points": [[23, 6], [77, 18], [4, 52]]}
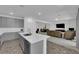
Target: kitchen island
{"points": [[34, 44]]}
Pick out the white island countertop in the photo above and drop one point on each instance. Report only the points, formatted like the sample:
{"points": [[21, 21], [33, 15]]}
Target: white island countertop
{"points": [[34, 37]]}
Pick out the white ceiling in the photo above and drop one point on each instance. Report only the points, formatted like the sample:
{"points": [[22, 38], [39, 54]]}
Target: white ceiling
{"points": [[42, 12]]}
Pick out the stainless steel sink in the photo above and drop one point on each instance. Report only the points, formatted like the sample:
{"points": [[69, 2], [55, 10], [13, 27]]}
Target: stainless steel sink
{"points": [[27, 34]]}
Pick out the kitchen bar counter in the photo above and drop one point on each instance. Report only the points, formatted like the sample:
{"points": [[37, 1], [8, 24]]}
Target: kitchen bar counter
{"points": [[34, 38], [37, 39]]}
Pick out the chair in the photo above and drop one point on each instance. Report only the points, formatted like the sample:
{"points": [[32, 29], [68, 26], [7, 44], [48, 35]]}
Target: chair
{"points": [[69, 35], [54, 33]]}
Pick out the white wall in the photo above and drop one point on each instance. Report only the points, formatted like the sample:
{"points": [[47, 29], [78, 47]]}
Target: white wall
{"points": [[68, 24], [52, 25], [41, 25], [30, 25]]}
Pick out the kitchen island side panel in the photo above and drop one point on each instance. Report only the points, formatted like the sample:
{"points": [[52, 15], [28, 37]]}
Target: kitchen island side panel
{"points": [[37, 48]]}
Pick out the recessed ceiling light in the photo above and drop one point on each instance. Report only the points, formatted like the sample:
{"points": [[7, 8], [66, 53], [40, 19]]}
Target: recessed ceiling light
{"points": [[39, 13], [56, 19], [11, 13], [21, 5], [30, 20]]}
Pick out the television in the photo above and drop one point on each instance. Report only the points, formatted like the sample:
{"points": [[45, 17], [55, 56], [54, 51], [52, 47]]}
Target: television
{"points": [[60, 25], [71, 29]]}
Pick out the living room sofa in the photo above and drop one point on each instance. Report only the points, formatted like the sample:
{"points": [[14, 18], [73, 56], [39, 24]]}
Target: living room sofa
{"points": [[54, 33], [69, 35]]}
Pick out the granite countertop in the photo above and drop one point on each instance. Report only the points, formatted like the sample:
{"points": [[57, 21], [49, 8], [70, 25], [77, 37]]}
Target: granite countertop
{"points": [[34, 37]]}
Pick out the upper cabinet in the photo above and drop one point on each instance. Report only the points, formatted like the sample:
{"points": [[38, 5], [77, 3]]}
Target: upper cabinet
{"points": [[11, 22], [0, 21], [3, 22], [6, 22], [19, 23]]}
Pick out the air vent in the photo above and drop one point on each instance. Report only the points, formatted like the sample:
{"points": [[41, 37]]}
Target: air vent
{"points": [[21, 5]]}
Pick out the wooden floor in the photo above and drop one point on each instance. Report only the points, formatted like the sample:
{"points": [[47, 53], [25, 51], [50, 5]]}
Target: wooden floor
{"points": [[53, 48], [11, 47]]}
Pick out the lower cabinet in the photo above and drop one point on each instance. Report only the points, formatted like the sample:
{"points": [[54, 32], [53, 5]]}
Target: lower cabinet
{"points": [[31, 48], [35, 48], [26, 47]]}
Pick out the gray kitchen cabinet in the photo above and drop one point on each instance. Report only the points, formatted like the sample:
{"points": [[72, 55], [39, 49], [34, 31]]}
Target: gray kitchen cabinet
{"points": [[31, 48], [27, 47], [37, 48], [0, 21], [19, 23], [21, 39], [4, 22], [10, 23]]}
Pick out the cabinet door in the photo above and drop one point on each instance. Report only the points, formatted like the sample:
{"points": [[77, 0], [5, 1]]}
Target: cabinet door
{"points": [[0, 22], [19, 23], [4, 22], [37, 48], [11, 23], [26, 47]]}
